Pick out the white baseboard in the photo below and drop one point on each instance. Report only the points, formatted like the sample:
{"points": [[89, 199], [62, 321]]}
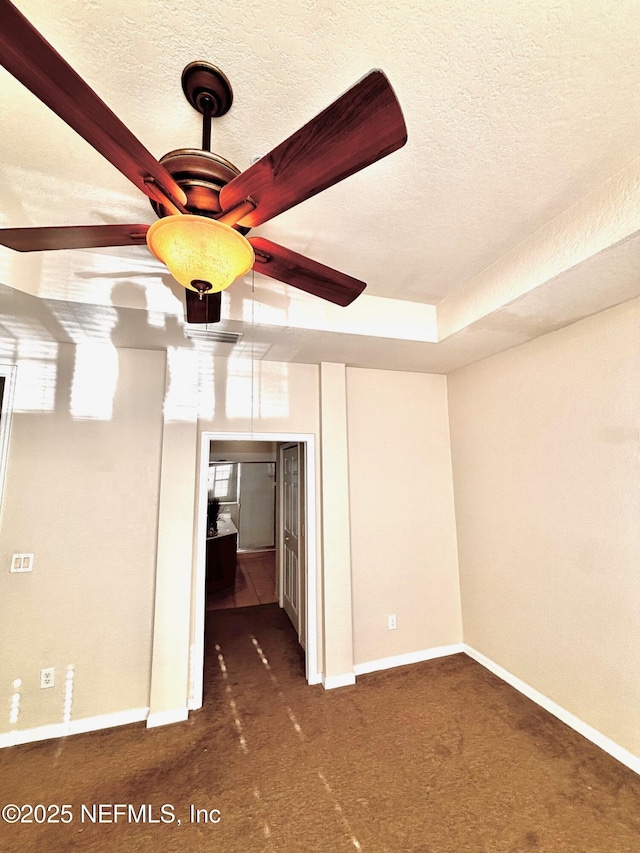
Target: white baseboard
{"points": [[410, 657], [330, 682], [74, 727], [165, 718], [611, 747]]}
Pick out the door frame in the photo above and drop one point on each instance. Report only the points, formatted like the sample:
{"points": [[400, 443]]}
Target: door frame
{"points": [[199, 598]]}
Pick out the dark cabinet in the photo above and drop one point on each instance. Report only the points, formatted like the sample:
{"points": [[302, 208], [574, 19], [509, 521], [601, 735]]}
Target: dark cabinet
{"points": [[221, 560]]}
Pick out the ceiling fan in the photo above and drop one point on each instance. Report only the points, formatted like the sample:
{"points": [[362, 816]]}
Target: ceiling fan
{"points": [[198, 192]]}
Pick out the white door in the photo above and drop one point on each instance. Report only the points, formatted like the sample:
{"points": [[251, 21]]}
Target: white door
{"points": [[292, 545]]}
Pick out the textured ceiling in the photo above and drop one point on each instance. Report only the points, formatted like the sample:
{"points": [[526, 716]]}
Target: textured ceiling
{"points": [[516, 111]]}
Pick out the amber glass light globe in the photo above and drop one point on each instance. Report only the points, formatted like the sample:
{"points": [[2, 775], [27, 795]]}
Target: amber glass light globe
{"points": [[199, 251]]}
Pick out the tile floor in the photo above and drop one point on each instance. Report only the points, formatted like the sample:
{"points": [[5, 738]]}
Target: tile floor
{"points": [[255, 582]]}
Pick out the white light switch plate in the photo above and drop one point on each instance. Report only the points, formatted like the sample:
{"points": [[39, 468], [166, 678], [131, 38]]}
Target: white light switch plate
{"points": [[22, 563]]}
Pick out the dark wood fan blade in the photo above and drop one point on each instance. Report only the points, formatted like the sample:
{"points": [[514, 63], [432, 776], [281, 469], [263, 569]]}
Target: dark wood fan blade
{"points": [[38, 66], [72, 237], [301, 272], [362, 126], [205, 310]]}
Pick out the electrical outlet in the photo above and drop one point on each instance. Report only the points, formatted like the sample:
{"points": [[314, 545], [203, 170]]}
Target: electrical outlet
{"points": [[392, 622], [47, 677], [21, 563]]}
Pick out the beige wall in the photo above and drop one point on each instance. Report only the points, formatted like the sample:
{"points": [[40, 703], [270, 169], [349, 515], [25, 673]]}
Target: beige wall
{"points": [[546, 468], [175, 555], [82, 494], [336, 527], [403, 541], [280, 397]]}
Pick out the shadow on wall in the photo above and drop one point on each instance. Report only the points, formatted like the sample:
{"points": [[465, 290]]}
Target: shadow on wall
{"points": [[200, 383]]}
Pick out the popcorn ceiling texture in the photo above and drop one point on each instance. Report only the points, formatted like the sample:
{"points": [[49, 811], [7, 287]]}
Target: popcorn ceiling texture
{"points": [[515, 111]]}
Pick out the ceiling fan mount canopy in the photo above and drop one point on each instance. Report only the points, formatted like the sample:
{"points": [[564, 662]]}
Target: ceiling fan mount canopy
{"points": [[207, 88]]}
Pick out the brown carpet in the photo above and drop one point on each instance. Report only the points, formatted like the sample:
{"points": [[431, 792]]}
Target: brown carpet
{"points": [[439, 757]]}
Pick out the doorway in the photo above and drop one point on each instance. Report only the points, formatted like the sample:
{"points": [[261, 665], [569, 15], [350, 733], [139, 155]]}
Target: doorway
{"points": [[308, 596], [242, 483]]}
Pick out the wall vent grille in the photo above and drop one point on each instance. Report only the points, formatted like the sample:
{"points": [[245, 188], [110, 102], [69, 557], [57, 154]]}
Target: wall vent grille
{"points": [[198, 333]]}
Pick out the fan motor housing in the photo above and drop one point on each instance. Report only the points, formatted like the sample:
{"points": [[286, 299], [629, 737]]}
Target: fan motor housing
{"points": [[201, 174]]}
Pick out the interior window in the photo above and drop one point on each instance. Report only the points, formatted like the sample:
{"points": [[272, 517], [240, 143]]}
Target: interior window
{"points": [[223, 481]]}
